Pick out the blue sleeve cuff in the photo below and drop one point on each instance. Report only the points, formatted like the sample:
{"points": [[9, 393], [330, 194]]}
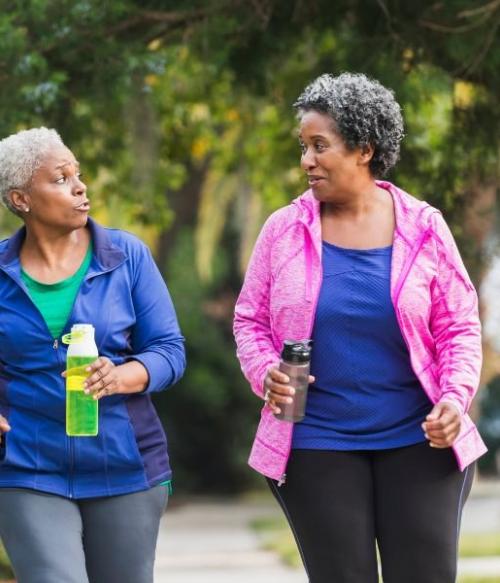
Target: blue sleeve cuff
{"points": [[163, 369]]}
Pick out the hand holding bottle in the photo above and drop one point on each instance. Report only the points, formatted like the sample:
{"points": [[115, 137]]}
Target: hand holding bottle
{"points": [[286, 387], [105, 378], [277, 391], [99, 381]]}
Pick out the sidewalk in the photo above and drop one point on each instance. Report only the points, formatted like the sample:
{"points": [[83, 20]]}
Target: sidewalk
{"points": [[482, 514], [212, 541]]}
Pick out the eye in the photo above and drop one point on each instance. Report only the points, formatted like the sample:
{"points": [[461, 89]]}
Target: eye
{"points": [[79, 175], [302, 147], [60, 180], [319, 146]]}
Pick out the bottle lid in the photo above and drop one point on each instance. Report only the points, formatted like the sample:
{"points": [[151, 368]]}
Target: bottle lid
{"points": [[78, 333], [82, 328], [297, 351]]}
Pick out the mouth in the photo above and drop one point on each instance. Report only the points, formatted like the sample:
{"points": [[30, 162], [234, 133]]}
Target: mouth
{"points": [[314, 180], [83, 206]]}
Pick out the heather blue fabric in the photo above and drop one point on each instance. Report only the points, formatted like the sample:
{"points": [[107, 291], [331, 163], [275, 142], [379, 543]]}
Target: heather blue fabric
{"points": [[124, 296], [366, 395]]}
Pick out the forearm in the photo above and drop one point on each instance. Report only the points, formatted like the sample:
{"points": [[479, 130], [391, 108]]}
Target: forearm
{"points": [[254, 350], [134, 377], [458, 359], [253, 336], [454, 323]]}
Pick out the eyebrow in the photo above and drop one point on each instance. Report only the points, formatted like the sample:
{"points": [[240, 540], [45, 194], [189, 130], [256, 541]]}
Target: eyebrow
{"points": [[77, 164], [315, 137]]}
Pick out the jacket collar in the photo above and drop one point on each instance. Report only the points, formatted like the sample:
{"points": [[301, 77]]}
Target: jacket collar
{"points": [[408, 212], [107, 255], [411, 229]]}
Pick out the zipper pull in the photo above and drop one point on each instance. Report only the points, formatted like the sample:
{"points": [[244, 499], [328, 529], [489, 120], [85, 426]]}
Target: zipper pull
{"points": [[55, 346], [282, 480]]}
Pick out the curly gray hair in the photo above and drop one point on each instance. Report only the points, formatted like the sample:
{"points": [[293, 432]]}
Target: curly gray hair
{"points": [[20, 155], [364, 113]]}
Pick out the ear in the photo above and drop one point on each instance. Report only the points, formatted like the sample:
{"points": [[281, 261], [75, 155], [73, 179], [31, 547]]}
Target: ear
{"points": [[365, 154], [20, 200]]}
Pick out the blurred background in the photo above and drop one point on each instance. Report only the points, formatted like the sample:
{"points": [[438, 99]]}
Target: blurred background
{"points": [[180, 114]]}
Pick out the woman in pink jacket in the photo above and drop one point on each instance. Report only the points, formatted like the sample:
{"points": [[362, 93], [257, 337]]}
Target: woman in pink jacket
{"points": [[385, 454]]}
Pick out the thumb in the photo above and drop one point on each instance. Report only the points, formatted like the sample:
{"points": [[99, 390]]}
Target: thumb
{"points": [[4, 424], [436, 412]]}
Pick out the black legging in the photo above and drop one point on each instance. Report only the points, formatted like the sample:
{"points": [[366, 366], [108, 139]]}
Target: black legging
{"points": [[409, 500]]}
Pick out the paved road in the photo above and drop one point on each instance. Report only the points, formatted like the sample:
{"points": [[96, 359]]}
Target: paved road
{"points": [[211, 541], [482, 510]]}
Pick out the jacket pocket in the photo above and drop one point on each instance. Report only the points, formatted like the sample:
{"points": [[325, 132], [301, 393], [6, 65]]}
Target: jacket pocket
{"points": [[114, 448]]}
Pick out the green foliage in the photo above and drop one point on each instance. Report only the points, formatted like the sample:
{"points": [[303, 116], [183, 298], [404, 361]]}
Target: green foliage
{"points": [[479, 579], [480, 544], [143, 91], [211, 414], [5, 569], [489, 426], [276, 536]]}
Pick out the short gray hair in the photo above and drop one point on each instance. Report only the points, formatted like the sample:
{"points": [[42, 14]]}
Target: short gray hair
{"points": [[20, 155], [364, 112]]}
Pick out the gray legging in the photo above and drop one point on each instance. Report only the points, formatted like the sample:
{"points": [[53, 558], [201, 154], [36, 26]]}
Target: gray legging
{"points": [[51, 539]]}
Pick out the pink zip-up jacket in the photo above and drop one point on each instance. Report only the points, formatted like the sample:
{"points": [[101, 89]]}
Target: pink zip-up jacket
{"points": [[433, 297]]}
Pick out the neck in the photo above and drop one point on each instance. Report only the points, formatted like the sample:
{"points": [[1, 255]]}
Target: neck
{"points": [[53, 248], [356, 203]]}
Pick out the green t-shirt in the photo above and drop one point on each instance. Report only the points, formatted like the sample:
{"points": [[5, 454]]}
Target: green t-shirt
{"points": [[56, 300]]}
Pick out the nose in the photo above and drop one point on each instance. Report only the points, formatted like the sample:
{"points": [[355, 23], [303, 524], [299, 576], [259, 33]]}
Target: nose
{"points": [[79, 186], [308, 160]]}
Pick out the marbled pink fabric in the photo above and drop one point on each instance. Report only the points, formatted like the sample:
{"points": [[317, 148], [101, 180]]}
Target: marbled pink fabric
{"points": [[434, 300]]}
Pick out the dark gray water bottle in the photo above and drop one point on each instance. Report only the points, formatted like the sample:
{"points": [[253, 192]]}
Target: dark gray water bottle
{"points": [[295, 362]]}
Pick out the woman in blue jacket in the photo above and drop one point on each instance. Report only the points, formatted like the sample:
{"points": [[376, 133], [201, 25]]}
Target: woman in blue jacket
{"points": [[78, 509]]}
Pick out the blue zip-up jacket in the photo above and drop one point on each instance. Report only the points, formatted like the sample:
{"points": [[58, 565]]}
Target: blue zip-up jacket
{"points": [[124, 296]]}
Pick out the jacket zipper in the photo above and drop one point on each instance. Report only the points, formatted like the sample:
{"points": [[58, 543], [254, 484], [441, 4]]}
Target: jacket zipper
{"points": [[409, 265], [55, 346], [71, 467], [397, 294], [282, 479]]}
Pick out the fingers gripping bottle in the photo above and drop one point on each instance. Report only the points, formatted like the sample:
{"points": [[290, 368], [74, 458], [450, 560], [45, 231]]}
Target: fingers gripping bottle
{"points": [[81, 409], [295, 362]]}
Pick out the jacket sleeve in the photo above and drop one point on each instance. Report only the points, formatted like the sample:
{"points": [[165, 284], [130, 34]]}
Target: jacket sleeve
{"points": [[454, 322], [252, 322], [156, 338]]}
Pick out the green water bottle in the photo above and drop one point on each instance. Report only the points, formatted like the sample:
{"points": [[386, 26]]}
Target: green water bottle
{"points": [[81, 409]]}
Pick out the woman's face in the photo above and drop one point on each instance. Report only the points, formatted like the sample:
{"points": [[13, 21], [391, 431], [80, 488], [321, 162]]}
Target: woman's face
{"points": [[332, 169], [57, 196]]}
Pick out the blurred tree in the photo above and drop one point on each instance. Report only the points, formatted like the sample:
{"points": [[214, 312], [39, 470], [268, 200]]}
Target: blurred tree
{"points": [[440, 60], [82, 66]]}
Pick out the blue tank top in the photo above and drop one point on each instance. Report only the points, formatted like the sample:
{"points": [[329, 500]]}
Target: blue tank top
{"points": [[366, 395]]}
